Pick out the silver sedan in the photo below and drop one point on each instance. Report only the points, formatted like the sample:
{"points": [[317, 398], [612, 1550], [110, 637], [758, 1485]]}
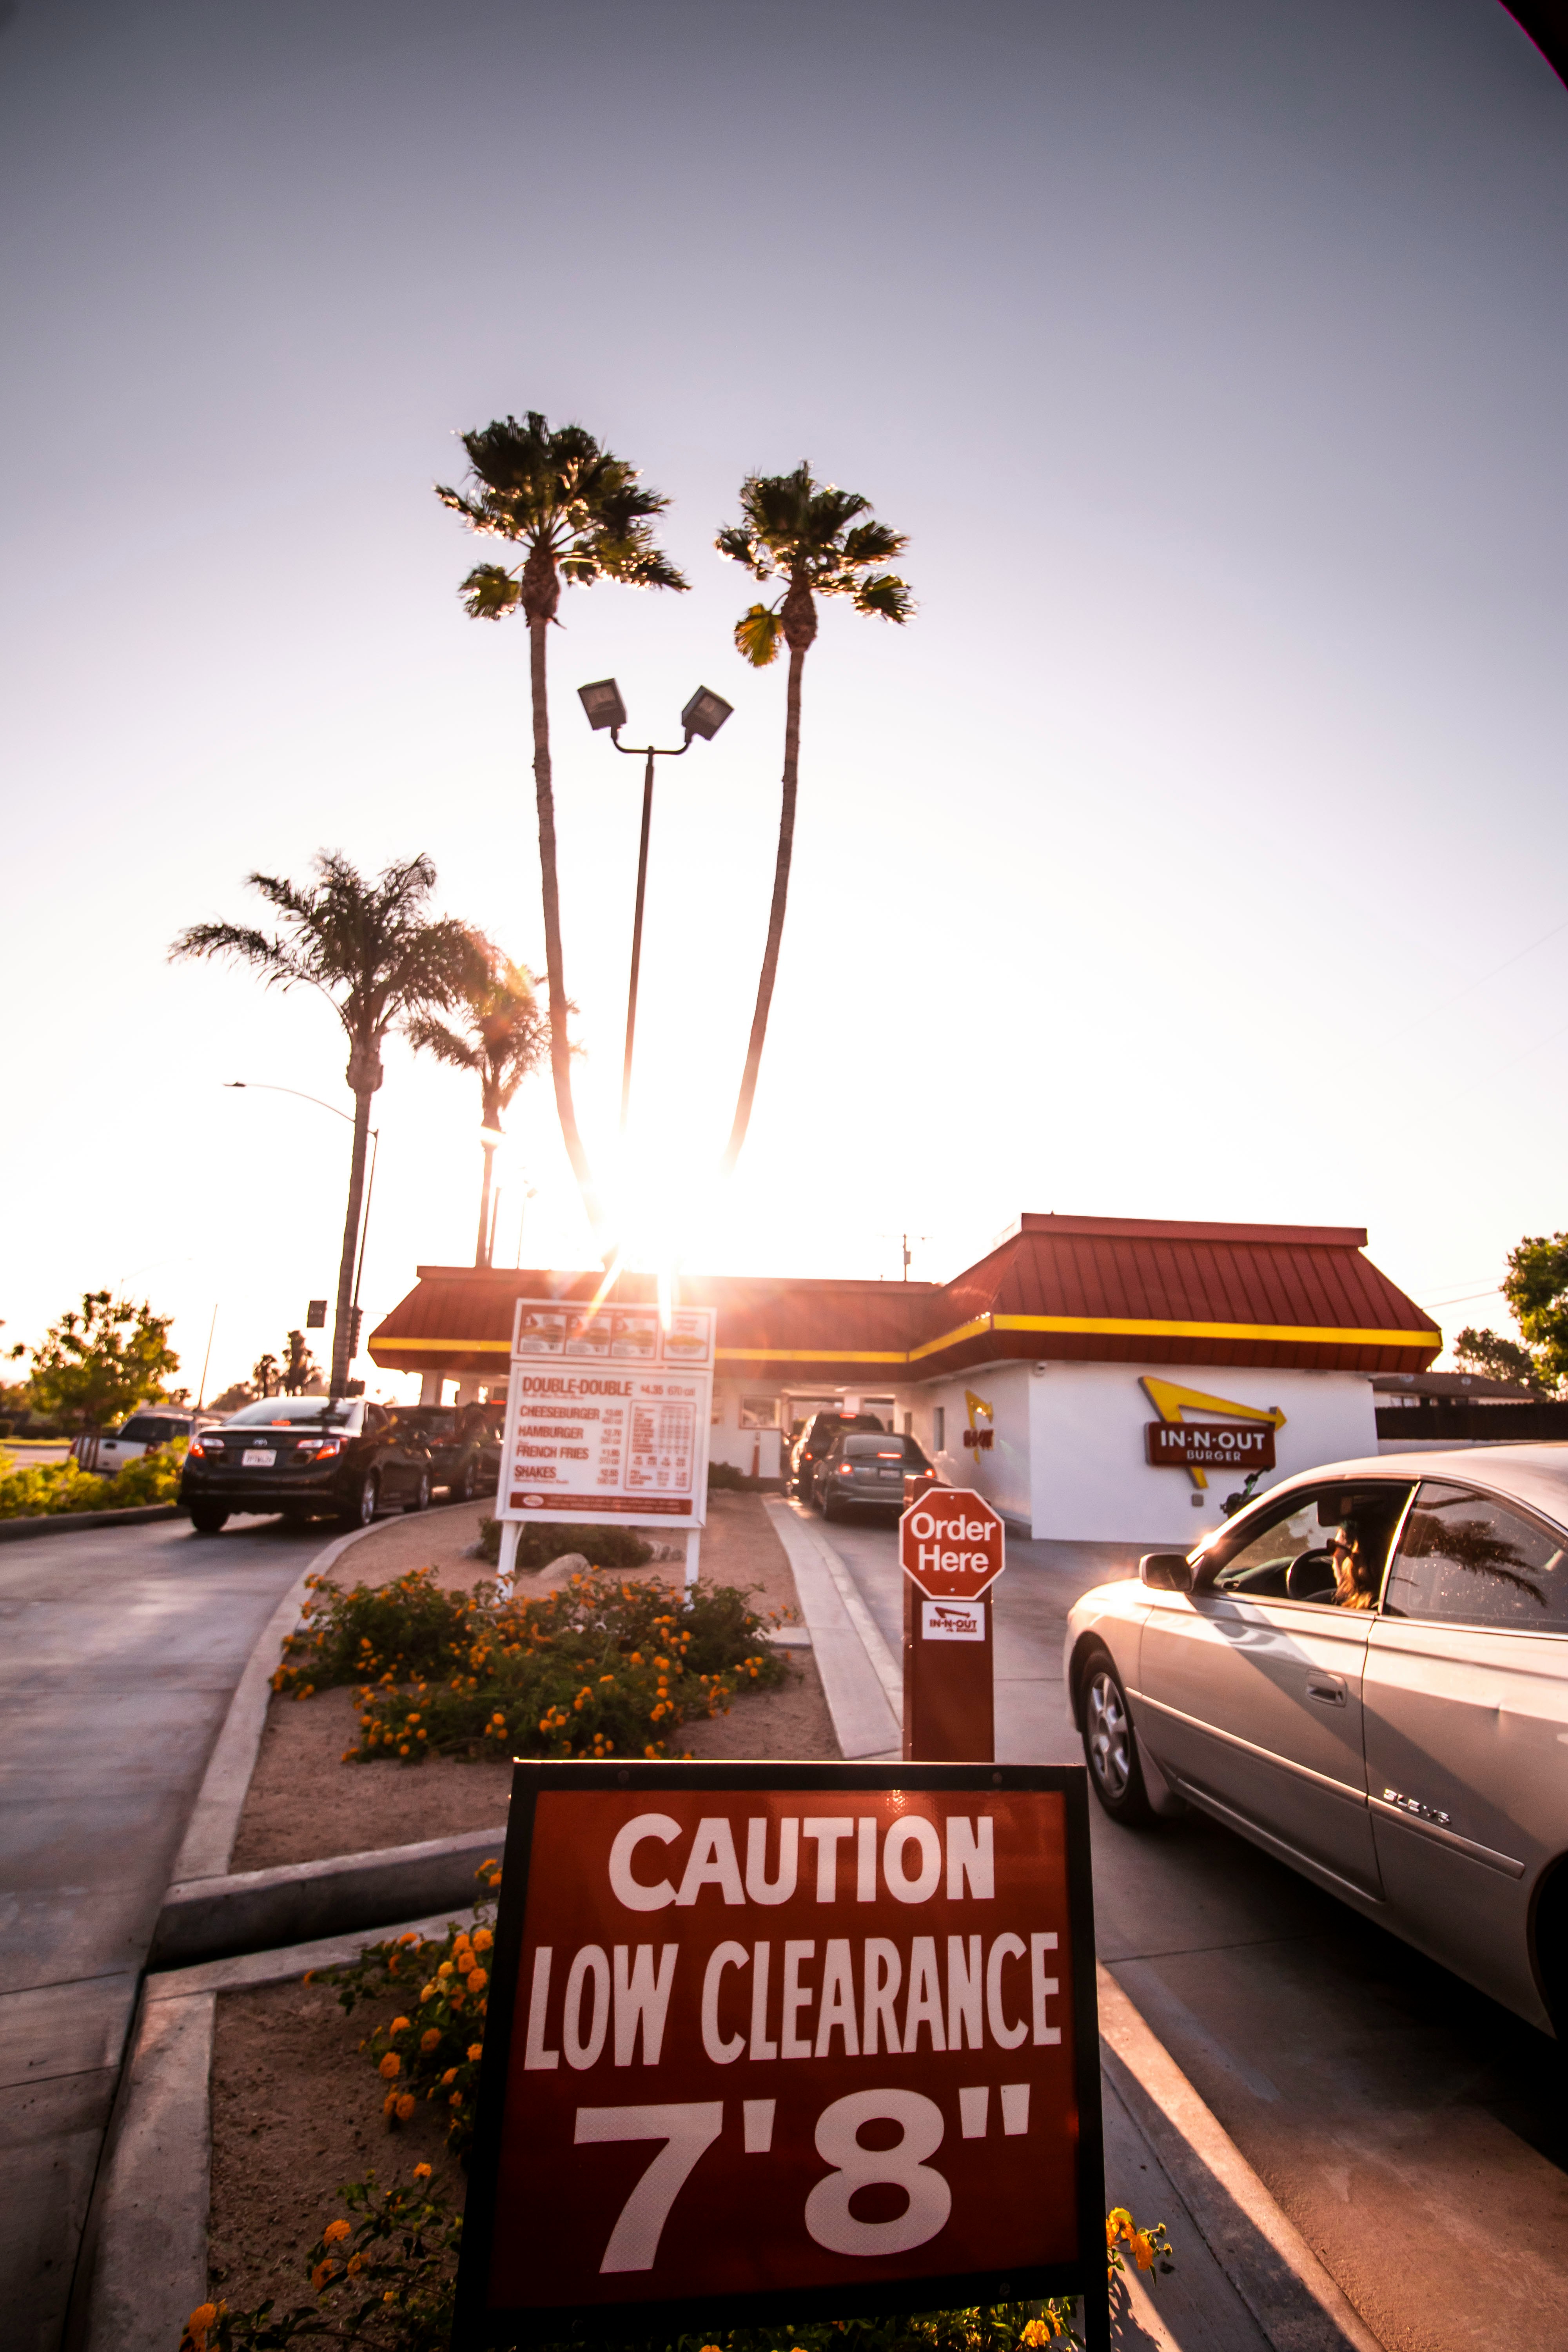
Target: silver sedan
{"points": [[1367, 1673]]}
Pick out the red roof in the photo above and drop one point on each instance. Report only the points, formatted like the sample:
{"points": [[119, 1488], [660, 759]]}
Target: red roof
{"points": [[1085, 1289]]}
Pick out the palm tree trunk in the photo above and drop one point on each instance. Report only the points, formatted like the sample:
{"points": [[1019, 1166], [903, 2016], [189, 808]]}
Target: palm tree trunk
{"points": [[560, 1043], [482, 1246], [775, 913], [342, 1325]]}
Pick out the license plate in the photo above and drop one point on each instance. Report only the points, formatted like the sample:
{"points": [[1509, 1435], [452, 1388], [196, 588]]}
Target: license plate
{"points": [[257, 1457], [891, 1474]]}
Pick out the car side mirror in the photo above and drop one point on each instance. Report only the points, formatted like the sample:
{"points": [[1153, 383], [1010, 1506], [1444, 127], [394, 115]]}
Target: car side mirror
{"points": [[1167, 1571]]}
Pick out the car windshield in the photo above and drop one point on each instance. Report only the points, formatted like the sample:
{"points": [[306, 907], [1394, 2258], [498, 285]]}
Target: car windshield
{"points": [[884, 1449], [429, 1421], [281, 1413]]}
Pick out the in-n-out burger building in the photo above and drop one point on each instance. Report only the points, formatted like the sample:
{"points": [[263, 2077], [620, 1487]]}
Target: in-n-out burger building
{"points": [[1100, 1379]]}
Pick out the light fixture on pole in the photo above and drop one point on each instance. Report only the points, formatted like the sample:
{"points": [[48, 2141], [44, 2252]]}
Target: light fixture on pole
{"points": [[704, 714]]}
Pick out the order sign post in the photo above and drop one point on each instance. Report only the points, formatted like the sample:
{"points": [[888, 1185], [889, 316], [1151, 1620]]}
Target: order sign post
{"points": [[777, 2042], [952, 1548]]}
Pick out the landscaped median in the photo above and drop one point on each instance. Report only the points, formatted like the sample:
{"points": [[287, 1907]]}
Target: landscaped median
{"points": [[58, 1489]]}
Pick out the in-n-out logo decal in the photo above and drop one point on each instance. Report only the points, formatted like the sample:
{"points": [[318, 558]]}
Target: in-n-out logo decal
{"points": [[1230, 1436]]}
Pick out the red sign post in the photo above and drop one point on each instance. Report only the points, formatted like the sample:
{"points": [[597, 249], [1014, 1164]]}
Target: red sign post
{"points": [[772, 2043], [952, 1548]]}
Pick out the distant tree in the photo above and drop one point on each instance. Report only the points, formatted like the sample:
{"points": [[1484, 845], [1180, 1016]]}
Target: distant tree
{"points": [[241, 1393], [265, 1373], [1536, 1289], [1498, 1358], [98, 1365], [809, 535], [377, 955], [578, 514], [507, 1038], [300, 1366]]}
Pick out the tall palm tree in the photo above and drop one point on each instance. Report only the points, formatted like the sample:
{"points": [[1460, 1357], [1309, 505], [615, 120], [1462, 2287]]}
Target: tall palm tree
{"points": [[377, 956], [809, 536], [577, 510], [506, 1038]]}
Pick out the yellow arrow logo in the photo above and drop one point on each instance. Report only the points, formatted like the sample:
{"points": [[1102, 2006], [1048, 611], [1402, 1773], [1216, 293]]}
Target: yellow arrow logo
{"points": [[1169, 1399]]}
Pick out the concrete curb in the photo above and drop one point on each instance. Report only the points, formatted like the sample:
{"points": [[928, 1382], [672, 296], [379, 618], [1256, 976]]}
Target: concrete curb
{"points": [[1274, 2271], [71, 1523], [861, 1680], [258, 1910], [214, 1824]]}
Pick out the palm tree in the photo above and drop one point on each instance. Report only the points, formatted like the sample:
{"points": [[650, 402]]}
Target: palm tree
{"points": [[376, 955], [577, 510], [807, 534], [506, 1039]]}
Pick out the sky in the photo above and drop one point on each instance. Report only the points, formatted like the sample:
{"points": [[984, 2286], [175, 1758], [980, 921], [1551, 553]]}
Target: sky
{"points": [[1197, 849]]}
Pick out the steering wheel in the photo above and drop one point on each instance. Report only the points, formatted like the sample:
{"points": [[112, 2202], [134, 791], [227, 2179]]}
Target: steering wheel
{"points": [[1311, 1576]]}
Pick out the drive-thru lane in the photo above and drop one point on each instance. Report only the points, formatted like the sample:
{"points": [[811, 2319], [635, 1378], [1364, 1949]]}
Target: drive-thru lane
{"points": [[1416, 2134], [120, 1648]]}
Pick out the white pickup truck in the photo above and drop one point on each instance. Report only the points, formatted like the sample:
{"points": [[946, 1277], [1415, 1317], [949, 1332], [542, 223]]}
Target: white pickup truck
{"points": [[149, 1426]]}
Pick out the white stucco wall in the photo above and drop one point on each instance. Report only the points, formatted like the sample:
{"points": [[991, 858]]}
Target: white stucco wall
{"points": [[1092, 1484], [1001, 1472], [728, 1441]]}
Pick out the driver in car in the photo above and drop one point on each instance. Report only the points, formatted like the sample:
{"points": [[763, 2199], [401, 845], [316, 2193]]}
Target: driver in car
{"points": [[1355, 1575]]}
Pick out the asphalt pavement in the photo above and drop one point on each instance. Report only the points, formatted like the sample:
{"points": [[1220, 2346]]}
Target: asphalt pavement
{"points": [[120, 1648], [1416, 2132]]}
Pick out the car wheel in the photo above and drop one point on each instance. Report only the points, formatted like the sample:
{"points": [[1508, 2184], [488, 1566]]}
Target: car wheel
{"points": [[422, 1493], [207, 1519], [366, 1503], [471, 1481], [1111, 1745]]}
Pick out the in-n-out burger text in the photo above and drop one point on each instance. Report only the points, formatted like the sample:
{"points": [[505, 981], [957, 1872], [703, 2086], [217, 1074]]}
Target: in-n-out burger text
{"points": [[875, 1993]]}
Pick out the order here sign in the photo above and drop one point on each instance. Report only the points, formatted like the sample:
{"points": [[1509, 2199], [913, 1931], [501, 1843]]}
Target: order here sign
{"points": [[797, 2040]]}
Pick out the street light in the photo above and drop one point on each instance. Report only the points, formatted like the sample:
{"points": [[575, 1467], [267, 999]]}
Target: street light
{"points": [[256, 1086], [704, 714]]}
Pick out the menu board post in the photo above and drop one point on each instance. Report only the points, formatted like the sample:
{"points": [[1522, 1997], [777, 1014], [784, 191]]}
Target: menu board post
{"points": [[607, 1416]]}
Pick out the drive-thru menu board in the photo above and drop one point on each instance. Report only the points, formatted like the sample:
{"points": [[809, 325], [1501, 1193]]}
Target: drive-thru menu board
{"points": [[773, 2041], [607, 1414]]}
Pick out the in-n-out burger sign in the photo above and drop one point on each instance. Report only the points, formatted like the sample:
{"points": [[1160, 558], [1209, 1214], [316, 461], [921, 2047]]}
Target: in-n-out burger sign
{"points": [[1210, 1445], [1230, 1435]]}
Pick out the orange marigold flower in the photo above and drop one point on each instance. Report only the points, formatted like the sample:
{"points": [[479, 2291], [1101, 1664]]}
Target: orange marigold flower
{"points": [[477, 1979], [404, 2106], [496, 1880], [399, 2025], [476, 2051], [455, 2100], [201, 2319], [445, 1969], [321, 2274], [449, 2076], [429, 2038], [391, 2065], [465, 1962], [421, 2172], [334, 2232], [483, 1939], [355, 2262]]}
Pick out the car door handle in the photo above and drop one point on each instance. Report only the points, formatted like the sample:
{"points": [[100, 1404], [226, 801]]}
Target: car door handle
{"points": [[1328, 1688]]}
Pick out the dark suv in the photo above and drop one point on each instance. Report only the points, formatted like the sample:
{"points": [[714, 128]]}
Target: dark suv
{"points": [[859, 1472], [465, 1457], [816, 1438], [303, 1456]]}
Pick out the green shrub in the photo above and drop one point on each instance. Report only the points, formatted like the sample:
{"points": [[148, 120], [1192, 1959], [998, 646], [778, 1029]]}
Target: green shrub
{"points": [[600, 1667], [538, 1545], [48, 1488], [724, 1476]]}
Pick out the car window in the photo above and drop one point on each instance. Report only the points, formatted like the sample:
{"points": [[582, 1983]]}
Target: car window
{"points": [[1474, 1561], [882, 1449], [276, 1413], [1256, 1558], [150, 1429]]}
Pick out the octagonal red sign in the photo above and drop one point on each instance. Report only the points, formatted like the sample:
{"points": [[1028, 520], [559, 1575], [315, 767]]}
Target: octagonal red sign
{"points": [[951, 1543]]}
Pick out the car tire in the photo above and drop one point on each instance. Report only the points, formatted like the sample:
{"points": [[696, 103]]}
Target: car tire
{"points": [[421, 1493], [471, 1481], [206, 1519], [364, 1508], [1111, 1745]]}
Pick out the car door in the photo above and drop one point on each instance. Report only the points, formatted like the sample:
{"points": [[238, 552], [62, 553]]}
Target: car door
{"points": [[1467, 1720], [1252, 1694]]}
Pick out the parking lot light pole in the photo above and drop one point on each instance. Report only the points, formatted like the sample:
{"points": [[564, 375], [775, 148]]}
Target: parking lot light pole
{"points": [[703, 715], [256, 1086]]}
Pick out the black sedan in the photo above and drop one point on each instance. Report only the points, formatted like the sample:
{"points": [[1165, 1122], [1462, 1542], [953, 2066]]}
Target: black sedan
{"points": [[858, 1471], [465, 1457], [303, 1456]]}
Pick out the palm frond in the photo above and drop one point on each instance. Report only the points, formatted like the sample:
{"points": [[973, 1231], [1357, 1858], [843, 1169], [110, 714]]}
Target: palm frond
{"points": [[490, 592], [560, 493], [757, 636], [873, 542], [885, 593], [428, 1035]]}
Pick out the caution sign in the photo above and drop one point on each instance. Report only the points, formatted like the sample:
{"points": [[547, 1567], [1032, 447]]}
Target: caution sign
{"points": [[773, 2041]]}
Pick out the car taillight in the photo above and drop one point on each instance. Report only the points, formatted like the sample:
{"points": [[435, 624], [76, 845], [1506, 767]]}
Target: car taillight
{"points": [[208, 1447], [328, 1446], [846, 1469]]}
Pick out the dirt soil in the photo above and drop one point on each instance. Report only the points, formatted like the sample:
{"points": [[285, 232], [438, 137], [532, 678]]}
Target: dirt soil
{"points": [[305, 1803]]}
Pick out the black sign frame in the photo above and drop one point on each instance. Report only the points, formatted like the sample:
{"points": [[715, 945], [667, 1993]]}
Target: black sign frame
{"points": [[475, 2325]]}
